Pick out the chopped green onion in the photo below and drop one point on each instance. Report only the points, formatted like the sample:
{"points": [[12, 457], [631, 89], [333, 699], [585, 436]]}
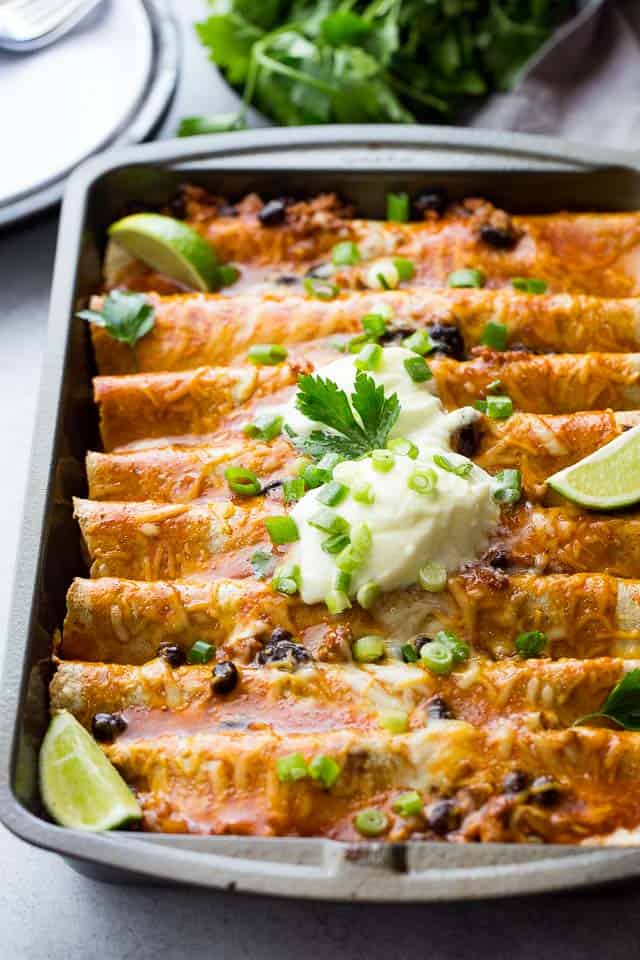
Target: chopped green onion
{"points": [[265, 427], [423, 481], [260, 562], [337, 601], [459, 469], [437, 657], [328, 522], [466, 278], [361, 538], [418, 369], [459, 649], [314, 476], [409, 653], [243, 482], [494, 335], [408, 804], [357, 343], [342, 581], [293, 489], [406, 268], [371, 822], [531, 644], [335, 544], [363, 493], [404, 447], [299, 465], [345, 254], [386, 275], [321, 289], [496, 407], [267, 354], [333, 493], [368, 594], [398, 207], [201, 652], [369, 358], [286, 579], [508, 486], [291, 768], [382, 460], [395, 721], [329, 461], [420, 342], [368, 649], [374, 324], [325, 769], [433, 577], [227, 274], [350, 559], [529, 285], [282, 529]]}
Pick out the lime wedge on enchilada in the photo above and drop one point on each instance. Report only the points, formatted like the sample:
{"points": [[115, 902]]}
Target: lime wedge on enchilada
{"points": [[170, 247], [80, 787], [606, 479]]}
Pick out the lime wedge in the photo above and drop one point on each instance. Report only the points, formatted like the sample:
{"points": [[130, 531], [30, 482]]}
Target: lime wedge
{"points": [[170, 247], [606, 479], [80, 788]]}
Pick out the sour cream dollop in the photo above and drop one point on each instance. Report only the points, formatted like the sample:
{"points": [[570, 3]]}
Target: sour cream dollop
{"points": [[447, 526]]}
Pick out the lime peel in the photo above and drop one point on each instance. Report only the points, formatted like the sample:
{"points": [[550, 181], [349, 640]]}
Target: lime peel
{"points": [[171, 247], [80, 787], [605, 480]]}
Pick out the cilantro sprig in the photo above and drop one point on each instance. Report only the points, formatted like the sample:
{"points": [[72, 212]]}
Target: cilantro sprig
{"points": [[356, 425], [127, 317], [622, 706], [385, 61]]}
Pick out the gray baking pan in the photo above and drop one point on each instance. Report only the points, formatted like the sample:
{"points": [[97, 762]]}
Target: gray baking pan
{"points": [[363, 163]]}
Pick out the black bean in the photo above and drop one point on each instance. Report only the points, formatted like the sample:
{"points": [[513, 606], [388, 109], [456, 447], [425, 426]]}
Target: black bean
{"points": [[320, 271], [499, 559], [225, 677], [438, 709], [545, 791], [172, 653], [420, 641], [448, 340], [515, 782], [497, 237], [287, 279], [273, 212], [282, 649], [433, 200], [106, 726], [467, 439], [442, 817]]}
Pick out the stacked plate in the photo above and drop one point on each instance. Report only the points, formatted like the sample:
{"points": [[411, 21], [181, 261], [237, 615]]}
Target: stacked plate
{"points": [[108, 82]]}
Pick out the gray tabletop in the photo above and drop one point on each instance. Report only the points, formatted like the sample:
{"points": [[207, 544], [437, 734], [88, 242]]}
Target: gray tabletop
{"points": [[49, 911]]}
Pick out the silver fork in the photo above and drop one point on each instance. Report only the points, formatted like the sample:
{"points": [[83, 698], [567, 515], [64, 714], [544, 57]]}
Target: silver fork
{"points": [[27, 25]]}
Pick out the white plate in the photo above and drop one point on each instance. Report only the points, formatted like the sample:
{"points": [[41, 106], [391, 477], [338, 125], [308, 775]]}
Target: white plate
{"points": [[62, 104]]}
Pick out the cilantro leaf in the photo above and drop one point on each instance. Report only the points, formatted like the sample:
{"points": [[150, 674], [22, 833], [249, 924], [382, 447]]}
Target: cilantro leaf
{"points": [[127, 317], [622, 706], [324, 402], [394, 61]]}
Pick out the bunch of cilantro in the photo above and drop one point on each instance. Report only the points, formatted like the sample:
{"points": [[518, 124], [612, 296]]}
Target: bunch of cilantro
{"points": [[386, 61]]}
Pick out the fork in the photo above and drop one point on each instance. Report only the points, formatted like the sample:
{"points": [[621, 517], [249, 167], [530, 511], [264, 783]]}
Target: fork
{"points": [[27, 25]]}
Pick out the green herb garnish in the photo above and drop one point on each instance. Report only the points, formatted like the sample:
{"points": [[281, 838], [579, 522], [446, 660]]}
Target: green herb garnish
{"points": [[356, 427], [622, 706], [459, 469], [388, 61], [127, 317]]}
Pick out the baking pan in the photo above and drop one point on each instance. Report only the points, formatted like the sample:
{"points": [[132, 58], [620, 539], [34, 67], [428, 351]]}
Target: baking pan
{"points": [[521, 173]]}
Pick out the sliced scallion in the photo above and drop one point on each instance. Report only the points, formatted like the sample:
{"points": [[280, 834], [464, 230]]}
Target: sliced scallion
{"points": [[382, 460], [494, 335], [368, 649], [529, 285], [508, 486], [418, 369], [423, 481], [291, 768], [332, 493], [282, 529], [398, 207], [368, 594], [345, 254], [371, 822], [243, 482], [369, 358], [267, 354], [325, 769], [408, 804], [321, 289], [432, 577], [419, 342], [404, 447], [467, 277], [201, 652], [337, 601]]}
